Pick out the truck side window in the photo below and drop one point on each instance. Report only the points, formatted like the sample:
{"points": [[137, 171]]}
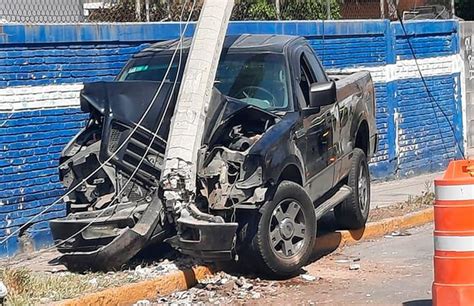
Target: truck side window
{"points": [[306, 79], [316, 66]]}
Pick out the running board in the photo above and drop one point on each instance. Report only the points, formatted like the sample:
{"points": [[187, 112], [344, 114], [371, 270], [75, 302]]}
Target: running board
{"points": [[343, 193]]}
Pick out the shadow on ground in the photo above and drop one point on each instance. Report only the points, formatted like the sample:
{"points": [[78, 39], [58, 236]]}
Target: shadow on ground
{"points": [[418, 303], [329, 239]]}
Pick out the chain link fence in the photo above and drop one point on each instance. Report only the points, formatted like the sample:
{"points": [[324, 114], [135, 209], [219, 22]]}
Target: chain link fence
{"points": [[43, 11], [391, 9], [73, 11]]}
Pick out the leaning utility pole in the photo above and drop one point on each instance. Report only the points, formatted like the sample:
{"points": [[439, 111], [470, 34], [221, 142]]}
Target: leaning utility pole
{"points": [[187, 126]]}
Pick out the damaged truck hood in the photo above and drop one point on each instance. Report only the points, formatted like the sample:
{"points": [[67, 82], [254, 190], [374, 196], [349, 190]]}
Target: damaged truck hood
{"points": [[123, 104]]}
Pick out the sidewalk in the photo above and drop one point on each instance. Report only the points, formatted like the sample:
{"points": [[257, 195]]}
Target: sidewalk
{"points": [[388, 193]]}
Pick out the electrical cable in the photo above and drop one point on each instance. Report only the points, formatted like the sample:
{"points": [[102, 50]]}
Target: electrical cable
{"points": [[179, 47], [168, 102], [430, 95], [138, 124]]}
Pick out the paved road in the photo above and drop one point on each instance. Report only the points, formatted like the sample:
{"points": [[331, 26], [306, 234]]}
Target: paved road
{"points": [[393, 271]]}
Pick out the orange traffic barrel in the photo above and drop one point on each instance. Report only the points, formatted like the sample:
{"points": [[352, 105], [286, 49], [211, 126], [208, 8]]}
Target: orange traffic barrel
{"points": [[454, 236]]}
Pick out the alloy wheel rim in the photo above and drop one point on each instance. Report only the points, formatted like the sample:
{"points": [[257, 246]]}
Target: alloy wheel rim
{"points": [[362, 188], [287, 229]]}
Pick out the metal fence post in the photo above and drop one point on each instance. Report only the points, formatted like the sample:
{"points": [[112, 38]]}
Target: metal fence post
{"points": [[147, 10], [328, 8], [278, 9], [382, 9], [138, 10]]}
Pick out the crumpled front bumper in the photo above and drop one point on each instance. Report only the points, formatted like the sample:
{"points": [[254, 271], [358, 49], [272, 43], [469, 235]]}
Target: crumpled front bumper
{"points": [[205, 236], [89, 252]]}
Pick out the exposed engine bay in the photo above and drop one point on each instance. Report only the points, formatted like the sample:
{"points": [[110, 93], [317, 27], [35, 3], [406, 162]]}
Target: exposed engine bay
{"points": [[113, 211]]}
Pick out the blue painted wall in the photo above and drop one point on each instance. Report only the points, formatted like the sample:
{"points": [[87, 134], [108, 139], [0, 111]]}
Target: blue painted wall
{"points": [[413, 135]]}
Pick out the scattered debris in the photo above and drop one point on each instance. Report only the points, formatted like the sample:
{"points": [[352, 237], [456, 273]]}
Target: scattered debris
{"points": [[353, 263], [93, 282], [3, 291], [308, 277], [142, 303], [354, 266], [400, 233], [223, 288], [163, 267]]}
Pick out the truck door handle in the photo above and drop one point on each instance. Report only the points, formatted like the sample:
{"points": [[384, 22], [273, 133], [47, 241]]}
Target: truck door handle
{"points": [[300, 133]]}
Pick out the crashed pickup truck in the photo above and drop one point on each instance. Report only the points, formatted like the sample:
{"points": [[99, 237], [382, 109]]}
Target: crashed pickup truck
{"points": [[284, 143]]}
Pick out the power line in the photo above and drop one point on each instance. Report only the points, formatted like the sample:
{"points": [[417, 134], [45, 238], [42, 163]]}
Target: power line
{"points": [[178, 47], [168, 102], [137, 125], [430, 95]]}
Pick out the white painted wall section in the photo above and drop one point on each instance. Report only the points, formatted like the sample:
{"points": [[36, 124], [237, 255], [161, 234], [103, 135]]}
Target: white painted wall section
{"points": [[407, 69], [23, 98]]}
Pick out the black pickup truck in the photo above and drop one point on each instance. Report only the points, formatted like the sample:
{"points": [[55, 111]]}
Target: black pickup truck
{"points": [[284, 143]]}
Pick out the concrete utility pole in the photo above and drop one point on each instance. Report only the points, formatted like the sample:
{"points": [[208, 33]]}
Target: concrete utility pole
{"points": [[187, 126]]}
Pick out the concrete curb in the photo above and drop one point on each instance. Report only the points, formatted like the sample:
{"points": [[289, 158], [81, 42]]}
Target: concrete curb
{"points": [[373, 230], [182, 280], [149, 289]]}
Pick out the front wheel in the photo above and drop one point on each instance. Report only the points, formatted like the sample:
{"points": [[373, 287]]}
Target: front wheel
{"points": [[285, 232], [354, 211]]}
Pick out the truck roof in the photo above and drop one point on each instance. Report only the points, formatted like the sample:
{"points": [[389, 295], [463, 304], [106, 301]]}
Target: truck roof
{"points": [[239, 43]]}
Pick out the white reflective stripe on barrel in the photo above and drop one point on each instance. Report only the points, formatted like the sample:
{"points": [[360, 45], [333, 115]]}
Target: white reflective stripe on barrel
{"points": [[454, 243], [454, 192]]}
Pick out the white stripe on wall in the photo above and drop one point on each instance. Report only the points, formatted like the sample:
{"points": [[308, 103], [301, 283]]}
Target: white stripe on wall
{"points": [[20, 98], [407, 69]]}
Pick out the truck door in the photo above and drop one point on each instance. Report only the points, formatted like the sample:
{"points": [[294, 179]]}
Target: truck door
{"points": [[318, 126]]}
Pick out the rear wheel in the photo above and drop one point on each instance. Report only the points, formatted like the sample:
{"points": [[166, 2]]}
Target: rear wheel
{"points": [[354, 211], [285, 232]]}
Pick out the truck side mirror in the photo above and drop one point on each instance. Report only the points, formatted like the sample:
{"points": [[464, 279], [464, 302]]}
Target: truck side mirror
{"points": [[321, 94]]}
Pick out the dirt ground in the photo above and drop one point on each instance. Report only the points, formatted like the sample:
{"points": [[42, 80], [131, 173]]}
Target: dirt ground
{"points": [[31, 280]]}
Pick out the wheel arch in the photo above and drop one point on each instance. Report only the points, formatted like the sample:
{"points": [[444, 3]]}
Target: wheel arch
{"points": [[291, 172], [362, 137]]}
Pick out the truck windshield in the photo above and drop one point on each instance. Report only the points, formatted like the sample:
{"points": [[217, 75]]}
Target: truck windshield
{"points": [[256, 79]]}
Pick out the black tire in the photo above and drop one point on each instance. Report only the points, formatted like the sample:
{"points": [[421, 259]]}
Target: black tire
{"points": [[296, 234], [354, 211]]}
